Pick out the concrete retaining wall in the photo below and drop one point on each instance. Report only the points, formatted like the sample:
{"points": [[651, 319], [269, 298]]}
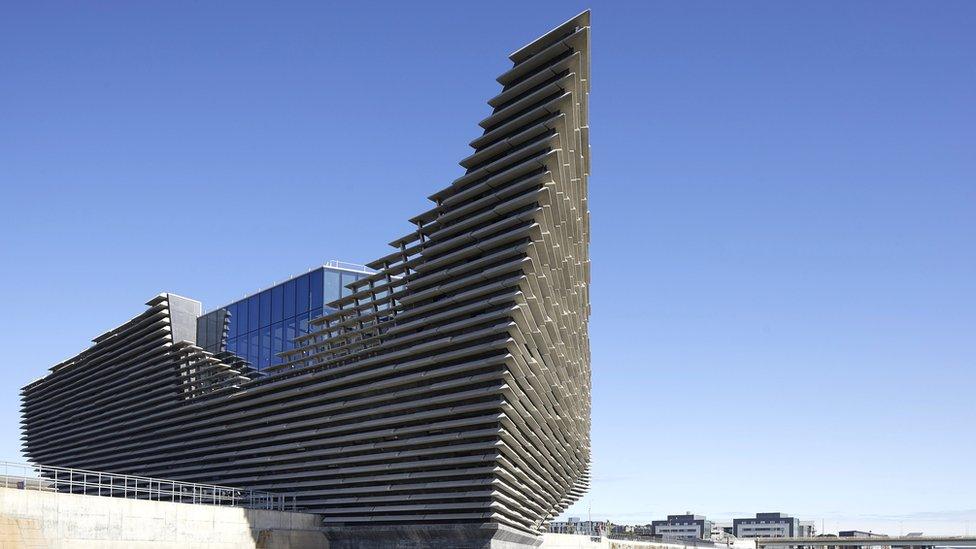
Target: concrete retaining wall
{"points": [[36, 519]]}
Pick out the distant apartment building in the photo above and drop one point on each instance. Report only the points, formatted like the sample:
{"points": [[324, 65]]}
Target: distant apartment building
{"points": [[771, 525], [687, 526]]}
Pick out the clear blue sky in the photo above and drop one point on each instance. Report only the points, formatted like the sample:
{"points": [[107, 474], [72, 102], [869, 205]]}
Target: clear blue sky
{"points": [[783, 200]]}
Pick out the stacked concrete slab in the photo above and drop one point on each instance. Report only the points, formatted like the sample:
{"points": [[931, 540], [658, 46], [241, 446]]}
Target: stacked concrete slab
{"points": [[449, 392]]}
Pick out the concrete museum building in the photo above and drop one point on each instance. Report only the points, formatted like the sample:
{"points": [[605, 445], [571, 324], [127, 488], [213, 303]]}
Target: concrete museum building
{"points": [[442, 392]]}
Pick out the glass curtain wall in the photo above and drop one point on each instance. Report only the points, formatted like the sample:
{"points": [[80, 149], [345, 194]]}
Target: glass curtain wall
{"points": [[261, 326]]}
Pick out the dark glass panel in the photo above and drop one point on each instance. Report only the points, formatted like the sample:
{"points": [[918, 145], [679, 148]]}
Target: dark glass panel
{"points": [[301, 292], [254, 348], [242, 320], [277, 303], [290, 288], [291, 332], [264, 298], [277, 342], [253, 313], [303, 324], [202, 331], [232, 313], [317, 288], [265, 358]]}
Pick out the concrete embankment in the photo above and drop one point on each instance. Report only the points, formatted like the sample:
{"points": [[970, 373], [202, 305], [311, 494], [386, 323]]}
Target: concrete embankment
{"points": [[38, 519]]}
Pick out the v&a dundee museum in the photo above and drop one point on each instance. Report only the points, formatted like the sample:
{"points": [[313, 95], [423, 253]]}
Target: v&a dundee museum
{"points": [[442, 389]]}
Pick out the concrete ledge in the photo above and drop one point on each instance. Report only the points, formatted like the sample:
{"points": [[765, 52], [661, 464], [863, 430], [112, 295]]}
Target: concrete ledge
{"points": [[455, 536]]}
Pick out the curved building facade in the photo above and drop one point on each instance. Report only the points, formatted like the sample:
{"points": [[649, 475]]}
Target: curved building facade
{"points": [[449, 388]]}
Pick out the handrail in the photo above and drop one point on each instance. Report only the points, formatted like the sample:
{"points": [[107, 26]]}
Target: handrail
{"points": [[27, 476]]}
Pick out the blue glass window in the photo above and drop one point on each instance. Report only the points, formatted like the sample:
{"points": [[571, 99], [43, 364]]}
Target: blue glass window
{"points": [[277, 304], [317, 288], [290, 288], [291, 332], [254, 350], [332, 286], [346, 279], [253, 313], [277, 342], [242, 320], [232, 345], [232, 326], [301, 290], [264, 298], [303, 324], [265, 357]]}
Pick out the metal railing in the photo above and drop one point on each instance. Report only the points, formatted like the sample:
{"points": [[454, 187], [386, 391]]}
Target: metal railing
{"points": [[98, 483], [345, 265]]}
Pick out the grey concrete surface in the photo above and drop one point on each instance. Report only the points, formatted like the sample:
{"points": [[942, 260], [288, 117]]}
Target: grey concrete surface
{"points": [[32, 518], [455, 536]]}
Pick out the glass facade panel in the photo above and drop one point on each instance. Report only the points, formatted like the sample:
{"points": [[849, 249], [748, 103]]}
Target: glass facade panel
{"points": [[254, 348], [346, 279], [264, 298], [332, 286], [316, 287], [232, 325], [302, 294], [277, 303], [277, 342], [265, 358], [291, 332], [253, 313], [242, 321], [265, 324], [290, 299]]}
